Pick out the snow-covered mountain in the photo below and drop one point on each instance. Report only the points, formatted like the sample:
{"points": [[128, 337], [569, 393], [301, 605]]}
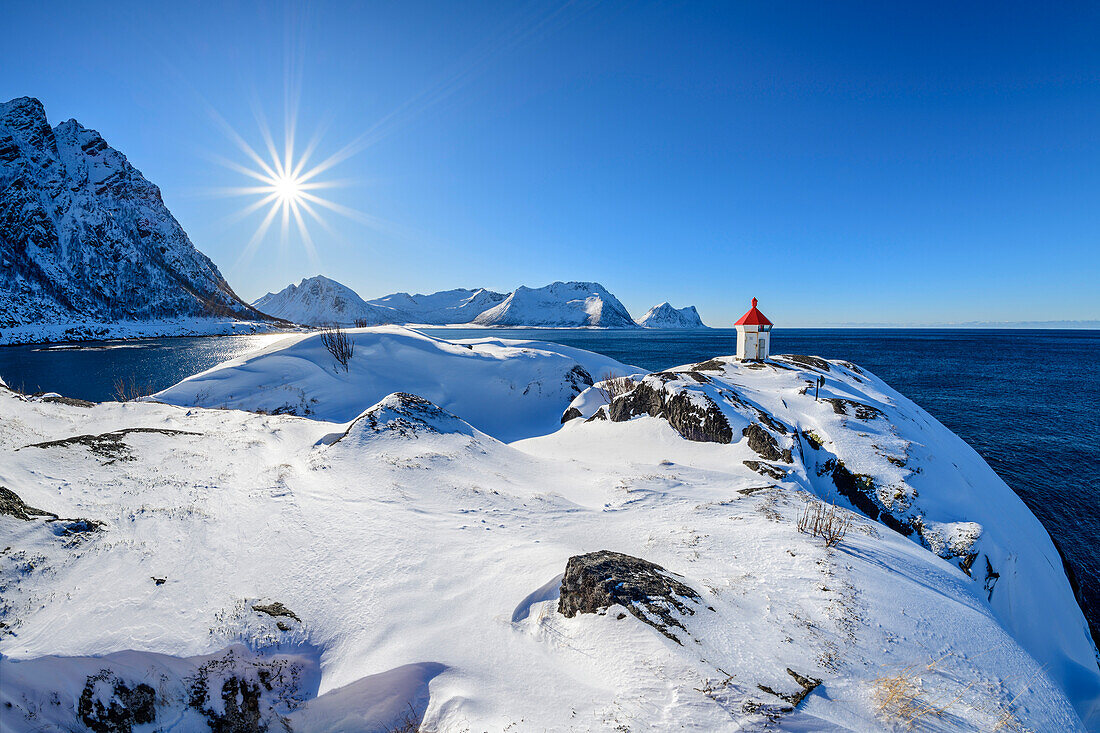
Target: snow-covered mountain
{"points": [[665, 316], [319, 300], [559, 305], [442, 308], [85, 238], [715, 547]]}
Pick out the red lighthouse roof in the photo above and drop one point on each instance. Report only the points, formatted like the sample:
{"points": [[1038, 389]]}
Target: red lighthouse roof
{"points": [[753, 318]]}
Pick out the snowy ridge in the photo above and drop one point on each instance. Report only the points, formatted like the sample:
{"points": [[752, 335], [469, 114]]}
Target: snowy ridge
{"points": [[314, 575], [665, 316], [84, 237], [319, 300]]}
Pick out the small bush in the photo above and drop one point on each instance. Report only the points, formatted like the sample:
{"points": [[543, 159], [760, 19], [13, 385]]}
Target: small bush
{"points": [[336, 340], [819, 520], [128, 390], [407, 723], [361, 323]]}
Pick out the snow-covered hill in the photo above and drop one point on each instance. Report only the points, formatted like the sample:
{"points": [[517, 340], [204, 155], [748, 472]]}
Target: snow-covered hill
{"points": [[511, 389], [665, 316], [186, 568], [85, 239], [559, 305], [319, 300]]}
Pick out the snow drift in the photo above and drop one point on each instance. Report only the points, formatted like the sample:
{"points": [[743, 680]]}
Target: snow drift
{"points": [[508, 388], [178, 566]]}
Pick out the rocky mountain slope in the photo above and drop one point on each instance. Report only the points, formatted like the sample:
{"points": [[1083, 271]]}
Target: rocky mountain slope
{"points": [[665, 316], [707, 548], [318, 300], [86, 239]]}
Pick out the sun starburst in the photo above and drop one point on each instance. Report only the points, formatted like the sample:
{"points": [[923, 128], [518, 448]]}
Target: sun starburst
{"points": [[285, 186]]}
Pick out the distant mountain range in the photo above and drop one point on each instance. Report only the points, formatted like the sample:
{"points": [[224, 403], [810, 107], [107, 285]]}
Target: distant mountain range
{"points": [[84, 237], [88, 249], [320, 300]]}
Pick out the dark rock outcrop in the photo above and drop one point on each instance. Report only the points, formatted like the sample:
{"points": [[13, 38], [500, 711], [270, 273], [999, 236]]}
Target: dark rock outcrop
{"points": [[128, 706], [702, 423], [810, 362], [571, 414], [807, 685], [70, 401], [275, 610], [240, 708], [851, 408], [766, 469], [598, 580], [12, 506], [860, 489], [106, 445], [765, 445]]}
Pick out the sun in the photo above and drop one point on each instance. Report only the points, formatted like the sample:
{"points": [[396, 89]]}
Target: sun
{"points": [[288, 188], [285, 186]]}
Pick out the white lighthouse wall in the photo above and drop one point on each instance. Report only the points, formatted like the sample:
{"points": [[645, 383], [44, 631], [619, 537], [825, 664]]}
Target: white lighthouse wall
{"points": [[753, 343], [746, 342]]}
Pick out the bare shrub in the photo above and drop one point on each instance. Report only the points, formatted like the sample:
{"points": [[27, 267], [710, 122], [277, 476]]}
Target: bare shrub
{"points": [[361, 323], [336, 340], [821, 520], [128, 389], [614, 385], [409, 722]]}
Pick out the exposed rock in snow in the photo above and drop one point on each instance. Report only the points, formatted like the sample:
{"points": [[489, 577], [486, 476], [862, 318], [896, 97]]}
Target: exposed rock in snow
{"points": [[85, 238], [665, 316], [692, 413], [598, 580], [421, 558]]}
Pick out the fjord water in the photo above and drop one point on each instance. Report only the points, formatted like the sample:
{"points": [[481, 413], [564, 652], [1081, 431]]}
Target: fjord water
{"points": [[1028, 401]]}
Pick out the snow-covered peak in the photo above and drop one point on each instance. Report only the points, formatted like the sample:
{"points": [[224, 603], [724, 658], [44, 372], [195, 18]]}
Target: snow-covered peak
{"points": [[318, 301], [665, 316], [559, 304], [88, 238]]}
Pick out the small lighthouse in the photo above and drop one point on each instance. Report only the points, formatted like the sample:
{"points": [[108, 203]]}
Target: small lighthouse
{"points": [[754, 334]]}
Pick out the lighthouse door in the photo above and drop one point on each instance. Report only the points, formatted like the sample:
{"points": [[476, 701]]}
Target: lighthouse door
{"points": [[760, 348]]}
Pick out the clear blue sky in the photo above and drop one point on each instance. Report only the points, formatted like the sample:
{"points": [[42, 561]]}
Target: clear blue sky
{"points": [[844, 162]]}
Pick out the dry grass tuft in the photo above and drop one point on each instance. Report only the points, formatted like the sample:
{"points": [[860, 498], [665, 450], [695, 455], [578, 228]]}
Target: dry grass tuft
{"points": [[128, 390]]}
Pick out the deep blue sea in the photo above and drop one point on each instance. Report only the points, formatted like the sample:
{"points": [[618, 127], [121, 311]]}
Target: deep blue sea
{"points": [[1027, 401]]}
